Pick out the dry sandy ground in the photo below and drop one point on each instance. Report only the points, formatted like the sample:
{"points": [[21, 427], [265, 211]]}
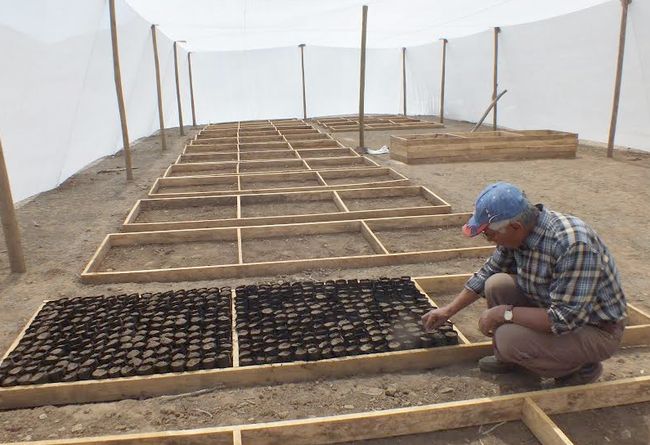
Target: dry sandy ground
{"points": [[62, 228]]}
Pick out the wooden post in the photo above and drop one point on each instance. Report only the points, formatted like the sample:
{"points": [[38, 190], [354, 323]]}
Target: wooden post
{"points": [[189, 66], [442, 81], [161, 116], [302, 65], [404, 77], [619, 75], [495, 73], [8, 216], [178, 89], [362, 74], [487, 111], [120, 94]]}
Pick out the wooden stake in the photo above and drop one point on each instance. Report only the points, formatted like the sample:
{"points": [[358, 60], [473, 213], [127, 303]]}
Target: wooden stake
{"points": [[120, 94], [9, 223], [161, 117], [362, 76], [189, 66], [442, 81], [497, 30], [302, 64], [619, 75], [404, 77], [178, 89], [487, 111]]}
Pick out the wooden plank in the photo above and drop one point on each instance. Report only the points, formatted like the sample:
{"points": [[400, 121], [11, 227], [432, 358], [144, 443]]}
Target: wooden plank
{"points": [[544, 429], [177, 383], [339, 202], [637, 316], [240, 250], [99, 255], [372, 239]]}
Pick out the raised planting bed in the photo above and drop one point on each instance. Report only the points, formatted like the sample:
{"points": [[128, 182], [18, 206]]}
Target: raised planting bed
{"points": [[170, 187], [264, 250], [98, 338], [313, 321], [318, 143], [341, 124], [326, 153], [282, 208], [483, 146]]}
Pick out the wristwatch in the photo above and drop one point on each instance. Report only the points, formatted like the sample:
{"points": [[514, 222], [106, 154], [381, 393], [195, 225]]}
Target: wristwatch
{"points": [[507, 315]]}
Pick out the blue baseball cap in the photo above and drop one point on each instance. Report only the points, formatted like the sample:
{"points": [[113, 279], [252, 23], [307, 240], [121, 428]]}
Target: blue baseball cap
{"points": [[497, 202]]}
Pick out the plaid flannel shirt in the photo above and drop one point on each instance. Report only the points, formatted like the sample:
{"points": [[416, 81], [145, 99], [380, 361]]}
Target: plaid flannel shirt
{"points": [[564, 267]]}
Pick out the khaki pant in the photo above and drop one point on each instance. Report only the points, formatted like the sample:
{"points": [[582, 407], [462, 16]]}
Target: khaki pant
{"points": [[547, 355]]}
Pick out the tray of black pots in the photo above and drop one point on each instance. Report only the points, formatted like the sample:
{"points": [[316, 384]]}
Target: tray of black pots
{"points": [[310, 321], [102, 337]]}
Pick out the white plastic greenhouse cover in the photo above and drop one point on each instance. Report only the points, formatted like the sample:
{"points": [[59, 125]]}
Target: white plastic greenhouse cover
{"points": [[557, 59]]}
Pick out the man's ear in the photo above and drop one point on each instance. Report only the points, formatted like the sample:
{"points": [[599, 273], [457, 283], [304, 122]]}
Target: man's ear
{"points": [[517, 225]]}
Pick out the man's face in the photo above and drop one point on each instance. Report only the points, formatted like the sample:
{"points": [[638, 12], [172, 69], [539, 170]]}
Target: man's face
{"points": [[511, 236]]}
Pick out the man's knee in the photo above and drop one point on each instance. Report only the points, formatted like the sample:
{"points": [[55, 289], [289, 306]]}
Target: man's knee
{"points": [[498, 285], [512, 345]]}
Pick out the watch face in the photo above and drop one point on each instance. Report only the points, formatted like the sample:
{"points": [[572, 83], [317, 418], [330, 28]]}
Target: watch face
{"points": [[507, 315]]}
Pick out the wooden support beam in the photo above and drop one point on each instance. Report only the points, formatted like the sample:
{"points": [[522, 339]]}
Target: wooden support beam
{"points": [[495, 74], [619, 76], [487, 111], [442, 81], [404, 79], [544, 429], [189, 67], [120, 94], [302, 66], [178, 89], [9, 222], [362, 74], [161, 115]]}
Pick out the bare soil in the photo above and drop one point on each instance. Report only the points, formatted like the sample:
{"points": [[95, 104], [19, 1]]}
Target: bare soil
{"points": [[62, 228], [416, 239], [305, 246], [220, 187], [357, 179], [190, 213], [393, 202], [229, 170], [278, 208], [260, 184], [162, 256]]}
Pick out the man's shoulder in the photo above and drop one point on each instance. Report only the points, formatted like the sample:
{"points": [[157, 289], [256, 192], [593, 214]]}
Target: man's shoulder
{"points": [[568, 230]]}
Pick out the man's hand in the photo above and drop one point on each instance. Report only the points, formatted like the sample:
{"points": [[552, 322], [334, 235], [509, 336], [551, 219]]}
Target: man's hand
{"points": [[435, 318], [491, 319]]}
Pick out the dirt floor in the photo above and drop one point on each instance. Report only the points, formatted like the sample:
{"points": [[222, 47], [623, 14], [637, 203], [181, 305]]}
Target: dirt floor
{"points": [[62, 228]]}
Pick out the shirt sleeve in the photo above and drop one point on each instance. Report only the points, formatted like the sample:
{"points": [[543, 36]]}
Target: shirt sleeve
{"points": [[502, 260], [573, 288]]}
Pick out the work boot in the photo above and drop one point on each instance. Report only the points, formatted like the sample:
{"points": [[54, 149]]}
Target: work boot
{"points": [[589, 373], [495, 366]]}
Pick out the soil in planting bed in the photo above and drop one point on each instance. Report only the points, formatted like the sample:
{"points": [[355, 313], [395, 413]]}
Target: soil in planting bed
{"points": [[510, 433], [466, 321], [220, 170], [312, 321], [220, 187], [266, 155], [189, 213], [305, 246], [359, 179], [97, 338], [193, 158], [620, 425], [166, 256], [427, 238], [279, 208], [263, 147], [243, 168], [391, 202], [324, 153], [261, 184]]}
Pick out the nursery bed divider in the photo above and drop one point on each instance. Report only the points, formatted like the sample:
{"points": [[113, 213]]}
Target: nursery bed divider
{"points": [[273, 154], [93, 273], [273, 165], [483, 146], [437, 206], [229, 184], [342, 124], [636, 334]]}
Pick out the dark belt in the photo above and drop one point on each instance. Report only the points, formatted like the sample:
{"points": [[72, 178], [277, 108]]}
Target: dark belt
{"points": [[611, 326]]}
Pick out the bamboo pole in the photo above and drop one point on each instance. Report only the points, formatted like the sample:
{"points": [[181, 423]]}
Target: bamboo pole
{"points": [[442, 81], [495, 75], [404, 77], [120, 94], [178, 88], [161, 116], [362, 73], [189, 67], [619, 75], [9, 223], [302, 65]]}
